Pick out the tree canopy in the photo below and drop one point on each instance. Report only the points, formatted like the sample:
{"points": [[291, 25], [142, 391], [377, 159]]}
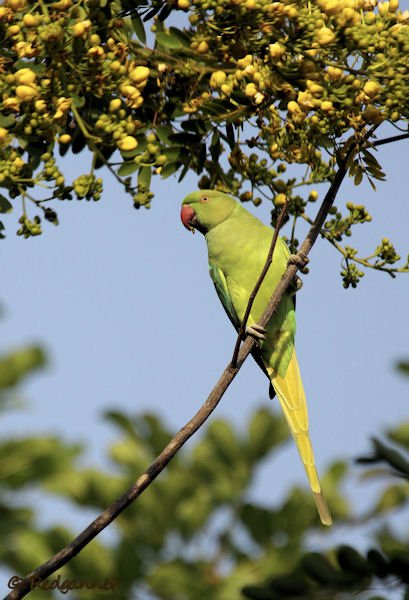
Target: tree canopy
{"points": [[253, 86]]}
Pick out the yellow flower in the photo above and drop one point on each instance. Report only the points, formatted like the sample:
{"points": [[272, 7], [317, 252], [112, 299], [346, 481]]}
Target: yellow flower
{"points": [[114, 105], [12, 103], [63, 106], [371, 89], [217, 79], [250, 90], [203, 47], [294, 108], [4, 135], [325, 36], [25, 93], [25, 76], [276, 50], [64, 139], [139, 74], [127, 143], [81, 28]]}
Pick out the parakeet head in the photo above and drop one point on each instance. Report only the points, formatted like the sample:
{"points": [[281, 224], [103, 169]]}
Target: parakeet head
{"points": [[205, 209]]}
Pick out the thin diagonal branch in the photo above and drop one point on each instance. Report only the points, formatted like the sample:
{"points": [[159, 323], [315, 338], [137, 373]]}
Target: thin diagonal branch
{"points": [[259, 281], [117, 507], [389, 140]]}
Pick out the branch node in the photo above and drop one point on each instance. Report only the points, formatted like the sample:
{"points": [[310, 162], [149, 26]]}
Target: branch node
{"points": [[300, 260]]}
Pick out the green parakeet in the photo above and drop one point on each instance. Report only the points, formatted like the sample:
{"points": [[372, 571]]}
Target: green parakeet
{"points": [[238, 245]]}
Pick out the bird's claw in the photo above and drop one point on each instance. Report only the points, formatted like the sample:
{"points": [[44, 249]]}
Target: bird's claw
{"points": [[300, 260], [296, 284], [256, 331]]}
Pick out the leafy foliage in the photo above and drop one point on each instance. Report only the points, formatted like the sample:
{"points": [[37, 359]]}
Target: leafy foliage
{"points": [[345, 569], [198, 532], [253, 86]]}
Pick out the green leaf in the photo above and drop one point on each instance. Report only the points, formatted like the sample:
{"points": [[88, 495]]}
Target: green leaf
{"points": [[5, 205], [265, 431], [400, 435], [350, 559], [35, 150], [358, 177], [16, 365], [78, 142], [320, 569], [127, 168], [201, 157], [7, 120], [185, 138], [183, 38], [122, 421], [144, 177], [169, 169], [257, 593], [168, 41], [259, 523], [217, 107], [163, 132], [173, 152], [131, 153], [215, 139], [230, 135], [195, 125], [78, 101], [390, 455], [226, 444], [392, 497], [138, 27], [185, 169]]}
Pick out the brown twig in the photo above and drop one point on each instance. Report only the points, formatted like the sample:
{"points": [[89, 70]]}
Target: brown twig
{"points": [[389, 140], [107, 516], [252, 297]]}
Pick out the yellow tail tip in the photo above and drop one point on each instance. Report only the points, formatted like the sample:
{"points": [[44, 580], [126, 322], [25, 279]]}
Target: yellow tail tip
{"points": [[323, 509]]}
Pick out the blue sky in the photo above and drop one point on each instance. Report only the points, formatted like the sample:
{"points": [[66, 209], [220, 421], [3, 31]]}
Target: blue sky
{"points": [[122, 301]]}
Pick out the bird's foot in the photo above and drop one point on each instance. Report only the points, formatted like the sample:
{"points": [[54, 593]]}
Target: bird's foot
{"points": [[296, 285], [256, 331], [300, 260]]}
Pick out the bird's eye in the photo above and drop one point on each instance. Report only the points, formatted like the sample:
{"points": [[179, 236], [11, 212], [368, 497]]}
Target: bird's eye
{"points": [[204, 199]]}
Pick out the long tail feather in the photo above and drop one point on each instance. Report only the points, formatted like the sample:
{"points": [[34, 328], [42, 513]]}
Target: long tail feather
{"points": [[290, 392]]}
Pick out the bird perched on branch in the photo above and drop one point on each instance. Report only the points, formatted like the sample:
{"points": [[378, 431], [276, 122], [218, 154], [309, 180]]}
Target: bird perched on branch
{"points": [[238, 244]]}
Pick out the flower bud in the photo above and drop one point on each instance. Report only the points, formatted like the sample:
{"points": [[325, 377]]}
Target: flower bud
{"points": [[25, 93], [276, 50], [64, 139], [127, 143], [114, 105], [325, 36], [25, 76], [217, 79], [371, 89], [139, 74], [202, 48]]}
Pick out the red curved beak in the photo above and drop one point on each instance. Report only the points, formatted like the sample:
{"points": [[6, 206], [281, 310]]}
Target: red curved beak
{"points": [[187, 214]]}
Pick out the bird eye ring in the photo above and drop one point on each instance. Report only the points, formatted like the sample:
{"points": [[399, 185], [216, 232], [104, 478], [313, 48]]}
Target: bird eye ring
{"points": [[204, 199]]}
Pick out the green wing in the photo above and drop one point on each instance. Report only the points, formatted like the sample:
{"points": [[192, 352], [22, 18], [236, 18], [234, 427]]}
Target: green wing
{"points": [[222, 290]]}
